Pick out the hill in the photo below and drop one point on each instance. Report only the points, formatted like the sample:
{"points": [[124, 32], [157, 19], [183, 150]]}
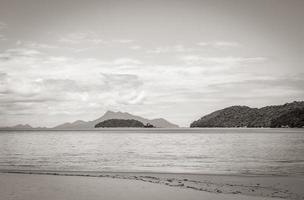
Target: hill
{"points": [[291, 119], [289, 114], [22, 127], [17, 127]]}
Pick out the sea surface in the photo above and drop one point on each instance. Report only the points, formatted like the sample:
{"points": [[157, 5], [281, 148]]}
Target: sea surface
{"points": [[205, 151]]}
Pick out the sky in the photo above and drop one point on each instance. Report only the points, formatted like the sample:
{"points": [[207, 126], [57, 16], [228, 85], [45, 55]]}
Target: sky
{"points": [[67, 60]]}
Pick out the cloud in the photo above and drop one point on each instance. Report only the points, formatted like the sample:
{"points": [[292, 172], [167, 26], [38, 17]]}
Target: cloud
{"points": [[56, 96], [3, 25], [88, 37], [203, 44], [91, 41], [124, 41], [170, 49], [135, 47], [22, 87], [64, 85], [2, 37], [270, 88], [182, 49], [3, 83], [61, 85], [216, 92], [121, 81], [219, 44], [34, 45], [18, 53], [197, 59], [126, 61], [23, 52], [226, 44], [133, 98]]}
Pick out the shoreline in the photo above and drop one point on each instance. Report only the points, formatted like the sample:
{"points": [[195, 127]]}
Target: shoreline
{"points": [[48, 187], [283, 187], [144, 128], [80, 172]]}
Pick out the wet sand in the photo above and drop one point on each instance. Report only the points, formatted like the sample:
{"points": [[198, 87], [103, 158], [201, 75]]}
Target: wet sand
{"points": [[34, 185]]}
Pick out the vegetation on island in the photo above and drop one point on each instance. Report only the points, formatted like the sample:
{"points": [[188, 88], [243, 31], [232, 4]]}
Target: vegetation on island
{"points": [[292, 119], [287, 115], [115, 123]]}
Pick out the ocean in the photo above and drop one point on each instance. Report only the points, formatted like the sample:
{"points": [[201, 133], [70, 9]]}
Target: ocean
{"points": [[203, 151]]}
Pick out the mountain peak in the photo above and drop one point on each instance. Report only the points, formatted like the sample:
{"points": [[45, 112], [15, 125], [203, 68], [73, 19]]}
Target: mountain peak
{"points": [[109, 112]]}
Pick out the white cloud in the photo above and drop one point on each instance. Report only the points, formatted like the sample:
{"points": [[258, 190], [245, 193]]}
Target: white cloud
{"points": [[133, 98], [65, 85], [135, 47], [12, 54], [34, 45], [126, 61], [124, 41], [90, 37], [219, 44], [82, 37], [203, 43], [170, 49], [226, 44], [196, 60]]}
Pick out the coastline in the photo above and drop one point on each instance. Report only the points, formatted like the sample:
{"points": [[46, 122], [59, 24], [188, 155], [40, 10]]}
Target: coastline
{"points": [[235, 186], [165, 130]]}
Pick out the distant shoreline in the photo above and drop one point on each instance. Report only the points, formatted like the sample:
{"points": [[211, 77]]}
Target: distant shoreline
{"points": [[149, 129]]}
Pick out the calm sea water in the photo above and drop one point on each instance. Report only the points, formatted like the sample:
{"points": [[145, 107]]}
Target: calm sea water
{"points": [[214, 151]]}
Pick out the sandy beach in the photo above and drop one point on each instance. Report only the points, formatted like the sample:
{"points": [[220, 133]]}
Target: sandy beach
{"points": [[34, 185]]}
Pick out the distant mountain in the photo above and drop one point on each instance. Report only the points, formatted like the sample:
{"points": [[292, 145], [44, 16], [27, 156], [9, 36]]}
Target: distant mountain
{"points": [[160, 123], [289, 114], [21, 127], [115, 123], [79, 124]]}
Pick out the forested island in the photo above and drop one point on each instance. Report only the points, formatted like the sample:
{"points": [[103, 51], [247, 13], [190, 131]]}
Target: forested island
{"points": [[122, 123], [287, 115]]}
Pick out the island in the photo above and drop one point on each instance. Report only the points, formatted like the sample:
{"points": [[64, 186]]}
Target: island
{"points": [[289, 115], [122, 123]]}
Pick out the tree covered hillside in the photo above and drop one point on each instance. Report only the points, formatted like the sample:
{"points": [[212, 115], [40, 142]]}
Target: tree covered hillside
{"points": [[289, 114]]}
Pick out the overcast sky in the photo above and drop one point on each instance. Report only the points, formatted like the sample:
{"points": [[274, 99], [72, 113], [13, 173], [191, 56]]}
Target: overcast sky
{"points": [[65, 60]]}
